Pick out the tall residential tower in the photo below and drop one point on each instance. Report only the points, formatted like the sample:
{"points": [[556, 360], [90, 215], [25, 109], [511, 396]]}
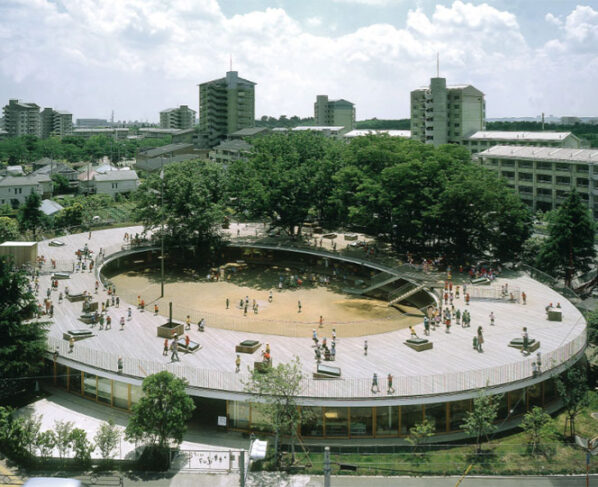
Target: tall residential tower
{"points": [[337, 113], [442, 114], [226, 105]]}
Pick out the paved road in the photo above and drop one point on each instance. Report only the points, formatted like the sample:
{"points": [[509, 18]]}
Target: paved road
{"points": [[274, 480]]}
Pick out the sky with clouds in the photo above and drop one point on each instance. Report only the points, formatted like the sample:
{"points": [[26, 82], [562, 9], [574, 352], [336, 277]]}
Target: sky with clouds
{"points": [[137, 57]]}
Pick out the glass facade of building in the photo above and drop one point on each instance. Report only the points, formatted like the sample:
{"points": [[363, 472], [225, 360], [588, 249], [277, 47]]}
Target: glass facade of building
{"points": [[389, 421], [324, 422]]}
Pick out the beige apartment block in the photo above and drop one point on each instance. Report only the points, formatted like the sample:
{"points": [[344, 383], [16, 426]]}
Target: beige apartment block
{"points": [[21, 119], [484, 139], [55, 122], [544, 176], [226, 105], [442, 114], [179, 118], [334, 113]]}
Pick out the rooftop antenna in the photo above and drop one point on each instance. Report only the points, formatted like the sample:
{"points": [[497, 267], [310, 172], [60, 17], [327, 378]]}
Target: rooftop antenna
{"points": [[438, 65], [231, 62]]}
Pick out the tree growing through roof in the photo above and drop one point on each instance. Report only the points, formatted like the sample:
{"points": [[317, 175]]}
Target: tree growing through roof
{"points": [[479, 422], [572, 387], [569, 248], [23, 339], [276, 391], [188, 201]]}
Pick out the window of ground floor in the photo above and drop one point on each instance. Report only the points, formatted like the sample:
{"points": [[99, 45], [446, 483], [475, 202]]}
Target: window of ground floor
{"points": [[322, 422], [397, 421]]}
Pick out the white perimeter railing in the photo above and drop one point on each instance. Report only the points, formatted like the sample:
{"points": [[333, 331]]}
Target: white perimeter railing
{"points": [[343, 388]]}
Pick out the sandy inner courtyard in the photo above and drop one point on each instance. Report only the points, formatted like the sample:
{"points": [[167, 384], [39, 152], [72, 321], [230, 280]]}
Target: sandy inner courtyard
{"points": [[200, 298]]}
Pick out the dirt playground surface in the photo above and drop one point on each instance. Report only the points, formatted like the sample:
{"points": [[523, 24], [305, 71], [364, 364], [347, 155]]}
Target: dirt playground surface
{"points": [[199, 298]]}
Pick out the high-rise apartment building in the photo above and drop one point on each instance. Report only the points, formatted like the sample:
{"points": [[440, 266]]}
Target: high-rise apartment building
{"points": [[54, 122], [225, 106], [180, 118], [21, 118], [442, 114], [334, 113]]}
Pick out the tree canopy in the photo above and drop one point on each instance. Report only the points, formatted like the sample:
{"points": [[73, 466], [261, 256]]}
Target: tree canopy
{"points": [[30, 215], [569, 247], [277, 390], [192, 205], [23, 339], [161, 415]]}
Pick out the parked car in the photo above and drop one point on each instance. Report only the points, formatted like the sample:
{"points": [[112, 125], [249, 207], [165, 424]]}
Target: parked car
{"points": [[53, 482], [56, 243], [358, 243]]}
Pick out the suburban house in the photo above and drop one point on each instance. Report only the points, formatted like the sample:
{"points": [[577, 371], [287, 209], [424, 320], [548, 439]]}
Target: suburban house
{"points": [[14, 190], [60, 168], [123, 181]]}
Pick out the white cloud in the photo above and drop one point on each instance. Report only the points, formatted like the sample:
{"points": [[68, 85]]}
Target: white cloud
{"points": [[375, 3], [140, 56], [552, 19], [314, 21]]}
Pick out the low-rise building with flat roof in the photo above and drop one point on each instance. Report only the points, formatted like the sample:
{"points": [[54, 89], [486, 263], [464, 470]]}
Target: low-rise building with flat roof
{"points": [[154, 159], [329, 131], [116, 133], [230, 150], [484, 139], [406, 134], [544, 176]]}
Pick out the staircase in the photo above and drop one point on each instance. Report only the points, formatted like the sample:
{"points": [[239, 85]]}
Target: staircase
{"points": [[380, 280], [405, 295]]}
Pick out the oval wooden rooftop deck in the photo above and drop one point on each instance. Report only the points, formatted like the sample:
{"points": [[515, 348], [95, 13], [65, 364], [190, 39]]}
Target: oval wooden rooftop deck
{"points": [[452, 370]]}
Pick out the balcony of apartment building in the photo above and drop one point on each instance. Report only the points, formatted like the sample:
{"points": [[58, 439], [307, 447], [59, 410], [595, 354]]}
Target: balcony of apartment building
{"points": [[562, 168], [544, 167], [582, 184], [525, 166], [544, 181], [543, 194], [563, 182]]}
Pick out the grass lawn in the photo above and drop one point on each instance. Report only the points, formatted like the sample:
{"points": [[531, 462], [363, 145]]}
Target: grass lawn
{"points": [[508, 454]]}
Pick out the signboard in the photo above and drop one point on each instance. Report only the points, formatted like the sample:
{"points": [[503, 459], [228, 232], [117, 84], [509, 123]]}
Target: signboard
{"points": [[222, 421]]}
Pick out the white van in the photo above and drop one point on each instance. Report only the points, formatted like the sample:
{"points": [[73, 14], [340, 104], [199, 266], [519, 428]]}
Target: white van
{"points": [[53, 482]]}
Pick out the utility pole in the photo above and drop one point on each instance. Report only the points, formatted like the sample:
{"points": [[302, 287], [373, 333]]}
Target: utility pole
{"points": [[327, 466], [162, 229]]}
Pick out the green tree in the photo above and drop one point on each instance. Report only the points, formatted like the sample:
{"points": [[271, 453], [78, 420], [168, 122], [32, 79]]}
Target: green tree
{"points": [[64, 437], [569, 247], [30, 430], [160, 417], [479, 422], [61, 184], [419, 432], [23, 340], [107, 438], [191, 207], [71, 216], [81, 446], [592, 321], [9, 229], [572, 387], [285, 177], [538, 427], [46, 442], [31, 218], [277, 390]]}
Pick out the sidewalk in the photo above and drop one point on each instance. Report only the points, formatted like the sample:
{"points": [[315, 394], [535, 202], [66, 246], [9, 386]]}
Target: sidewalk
{"points": [[89, 415]]}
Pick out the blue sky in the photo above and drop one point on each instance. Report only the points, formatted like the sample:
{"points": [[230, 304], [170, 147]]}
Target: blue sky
{"points": [[137, 57]]}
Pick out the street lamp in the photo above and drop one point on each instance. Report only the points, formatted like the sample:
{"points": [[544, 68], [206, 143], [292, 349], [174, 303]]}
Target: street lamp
{"points": [[162, 228]]}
